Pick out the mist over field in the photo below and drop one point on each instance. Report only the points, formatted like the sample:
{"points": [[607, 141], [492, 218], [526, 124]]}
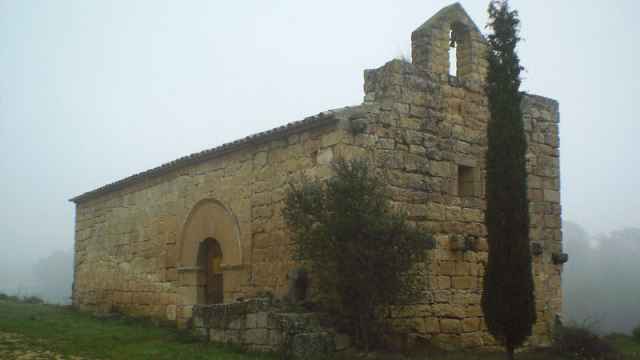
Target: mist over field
{"points": [[92, 92], [601, 281], [50, 278]]}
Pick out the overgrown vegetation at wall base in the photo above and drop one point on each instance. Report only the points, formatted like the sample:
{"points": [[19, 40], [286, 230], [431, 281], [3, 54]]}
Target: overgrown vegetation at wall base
{"points": [[508, 301], [361, 253], [579, 342]]}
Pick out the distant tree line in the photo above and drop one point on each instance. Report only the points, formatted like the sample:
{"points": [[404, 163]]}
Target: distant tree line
{"points": [[50, 279]]}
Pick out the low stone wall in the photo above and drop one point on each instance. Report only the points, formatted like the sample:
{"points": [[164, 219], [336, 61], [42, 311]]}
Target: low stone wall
{"points": [[265, 326]]}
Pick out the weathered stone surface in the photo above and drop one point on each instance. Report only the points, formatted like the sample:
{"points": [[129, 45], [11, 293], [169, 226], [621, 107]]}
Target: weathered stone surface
{"points": [[256, 336], [450, 326], [552, 196], [471, 324], [325, 156]]}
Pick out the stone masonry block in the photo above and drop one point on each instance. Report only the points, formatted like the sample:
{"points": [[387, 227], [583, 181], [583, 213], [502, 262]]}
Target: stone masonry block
{"points": [[432, 325], [552, 196], [251, 321], [471, 324], [444, 282], [463, 282], [325, 156], [262, 319], [256, 336], [450, 326]]}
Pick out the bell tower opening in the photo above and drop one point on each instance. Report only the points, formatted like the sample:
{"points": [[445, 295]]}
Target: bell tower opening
{"points": [[450, 46], [209, 261], [453, 54], [459, 51]]}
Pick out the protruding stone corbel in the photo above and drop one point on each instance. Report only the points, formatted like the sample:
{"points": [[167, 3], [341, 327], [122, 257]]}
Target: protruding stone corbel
{"points": [[298, 280], [464, 243], [536, 248], [559, 258], [429, 243], [358, 125]]}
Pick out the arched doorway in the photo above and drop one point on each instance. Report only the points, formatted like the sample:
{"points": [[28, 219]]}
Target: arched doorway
{"points": [[210, 261], [209, 267]]}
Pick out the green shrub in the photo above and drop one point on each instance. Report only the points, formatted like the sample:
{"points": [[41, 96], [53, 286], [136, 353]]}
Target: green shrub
{"points": [[362, 253], [579, 342], [635, 334]]}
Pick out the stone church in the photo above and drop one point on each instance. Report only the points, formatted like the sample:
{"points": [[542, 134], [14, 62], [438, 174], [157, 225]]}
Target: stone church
{"points": [[207, 228]]}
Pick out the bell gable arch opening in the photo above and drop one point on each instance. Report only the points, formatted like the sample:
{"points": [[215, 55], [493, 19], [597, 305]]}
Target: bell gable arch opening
{"points": [[449, 37]]}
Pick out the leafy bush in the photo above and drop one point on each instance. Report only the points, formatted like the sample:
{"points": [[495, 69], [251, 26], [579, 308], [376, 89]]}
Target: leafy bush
{"points": [[362, 254], [578, 342], [635, 334]]}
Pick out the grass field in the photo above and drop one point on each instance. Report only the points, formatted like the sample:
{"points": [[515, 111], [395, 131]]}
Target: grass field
{"points": [[39, 328], [33, 331], [625, 345]]}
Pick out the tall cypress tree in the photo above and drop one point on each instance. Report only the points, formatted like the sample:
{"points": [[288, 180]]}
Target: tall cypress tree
{"points": [[508, 295]]}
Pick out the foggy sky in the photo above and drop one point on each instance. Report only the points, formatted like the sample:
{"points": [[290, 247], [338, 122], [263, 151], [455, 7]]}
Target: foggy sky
{"points": [[94, 91]]}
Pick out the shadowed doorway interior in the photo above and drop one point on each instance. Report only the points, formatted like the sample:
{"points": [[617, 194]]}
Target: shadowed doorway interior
{"points": [[209, 260]]}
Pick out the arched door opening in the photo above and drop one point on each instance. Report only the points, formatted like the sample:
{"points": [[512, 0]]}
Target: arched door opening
{"points": [[209, 261]]}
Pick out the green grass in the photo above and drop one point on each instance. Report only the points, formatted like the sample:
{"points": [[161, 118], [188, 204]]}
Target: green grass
{"points": [[69, 332]]}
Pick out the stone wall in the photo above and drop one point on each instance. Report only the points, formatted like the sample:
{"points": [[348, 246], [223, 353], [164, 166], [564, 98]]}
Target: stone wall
{"points": [[424, 131], [264, 325], [134, 246], [428, 134]]}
